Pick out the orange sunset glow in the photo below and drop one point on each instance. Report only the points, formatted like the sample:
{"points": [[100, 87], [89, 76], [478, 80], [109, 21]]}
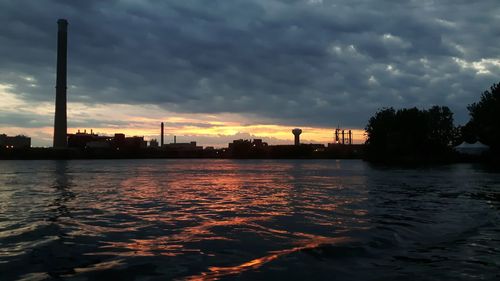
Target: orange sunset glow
{"points": [[144, 120]]}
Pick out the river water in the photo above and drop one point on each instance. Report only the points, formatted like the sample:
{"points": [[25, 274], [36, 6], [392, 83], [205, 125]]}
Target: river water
{"points": [[247, 219]]}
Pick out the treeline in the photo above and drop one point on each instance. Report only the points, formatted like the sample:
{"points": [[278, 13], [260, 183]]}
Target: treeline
{"points": [[412, 134]]}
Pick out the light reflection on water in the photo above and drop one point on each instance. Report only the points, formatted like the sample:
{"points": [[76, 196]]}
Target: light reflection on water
{"points": [[212, 219]]}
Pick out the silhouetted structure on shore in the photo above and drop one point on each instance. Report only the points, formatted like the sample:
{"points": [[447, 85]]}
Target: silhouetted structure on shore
{"points": [[258, 149], [338, 140], [162, 134], [296, 132], [83, 145], [247, 149], [84, 140], [60, 121], [186, 146], [90, 145], [16, 142], [153, 143]]}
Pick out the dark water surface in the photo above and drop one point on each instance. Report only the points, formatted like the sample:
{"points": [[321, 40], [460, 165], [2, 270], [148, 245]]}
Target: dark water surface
{"points": [[248, 219]]}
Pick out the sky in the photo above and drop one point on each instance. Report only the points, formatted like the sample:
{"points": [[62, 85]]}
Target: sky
{"points": [[219, 70]]}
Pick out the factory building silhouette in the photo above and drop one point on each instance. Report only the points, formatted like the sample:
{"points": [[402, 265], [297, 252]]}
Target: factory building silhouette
{"points": [[84, 140], [14, 142]]}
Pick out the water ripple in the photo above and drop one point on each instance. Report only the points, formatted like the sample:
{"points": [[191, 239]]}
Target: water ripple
{"points": [[221, 219]]}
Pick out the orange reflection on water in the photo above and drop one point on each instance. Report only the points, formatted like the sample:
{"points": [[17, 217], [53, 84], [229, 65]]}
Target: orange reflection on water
{"points": [[202, 202], [145, 247], [216, 272], [173, 245], [171, 209], [210, 190]]}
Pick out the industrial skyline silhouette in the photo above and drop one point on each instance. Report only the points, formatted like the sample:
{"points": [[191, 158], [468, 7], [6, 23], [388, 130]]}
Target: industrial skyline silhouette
{"points": [[60, 137]]}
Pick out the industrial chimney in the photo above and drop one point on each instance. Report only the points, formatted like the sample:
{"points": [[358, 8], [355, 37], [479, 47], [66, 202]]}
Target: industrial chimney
{"points": [[296, 132], [60, 121], [162, 133]]}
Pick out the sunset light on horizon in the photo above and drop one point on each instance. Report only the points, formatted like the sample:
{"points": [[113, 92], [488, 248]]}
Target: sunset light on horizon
{"points": [[144, 120]]}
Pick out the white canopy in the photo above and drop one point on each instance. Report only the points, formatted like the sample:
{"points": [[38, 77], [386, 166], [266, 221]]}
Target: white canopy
{"points": [[472, 148]]}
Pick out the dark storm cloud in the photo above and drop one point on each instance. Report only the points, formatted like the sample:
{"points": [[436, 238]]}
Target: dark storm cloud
{"points": [[34, 120], [316, 63], [26, 120]]}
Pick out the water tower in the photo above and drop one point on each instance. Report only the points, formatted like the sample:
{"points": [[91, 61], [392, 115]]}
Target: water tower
{"points": [[296, 132]]}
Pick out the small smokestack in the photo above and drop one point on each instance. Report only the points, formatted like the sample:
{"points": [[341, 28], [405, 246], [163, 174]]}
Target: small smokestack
{"points": [[175, 139], [60, 120], [343, 137], [162, 133]]}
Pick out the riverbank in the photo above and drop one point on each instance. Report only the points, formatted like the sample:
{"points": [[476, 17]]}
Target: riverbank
{"points": [[285, 152]]}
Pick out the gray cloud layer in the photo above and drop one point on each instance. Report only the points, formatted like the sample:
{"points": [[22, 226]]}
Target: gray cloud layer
{"points": [[315, 63]]}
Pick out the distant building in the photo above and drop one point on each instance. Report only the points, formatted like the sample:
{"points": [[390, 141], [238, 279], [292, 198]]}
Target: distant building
{"points": [[153, 143], [93, 141], [135, 142], [337, 150], [240, 145], [86, 140], [258, 143], [14, 142], [246, 145], [247, 148], [316, 146], [296, 151], [98, 144], [186, 146]]}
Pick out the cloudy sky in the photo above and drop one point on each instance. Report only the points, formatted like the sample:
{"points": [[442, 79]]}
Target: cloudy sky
{"points": [[217, 70]]}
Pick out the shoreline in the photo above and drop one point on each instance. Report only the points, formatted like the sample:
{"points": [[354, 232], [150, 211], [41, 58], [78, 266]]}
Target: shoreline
{"points": [[69, 154]]}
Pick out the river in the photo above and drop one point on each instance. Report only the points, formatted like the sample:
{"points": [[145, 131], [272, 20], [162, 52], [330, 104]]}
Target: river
{"points": [[247, 219]]}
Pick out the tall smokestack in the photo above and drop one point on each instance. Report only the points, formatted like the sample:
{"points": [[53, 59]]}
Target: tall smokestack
{"points": [[60, 121], [162, 134]]}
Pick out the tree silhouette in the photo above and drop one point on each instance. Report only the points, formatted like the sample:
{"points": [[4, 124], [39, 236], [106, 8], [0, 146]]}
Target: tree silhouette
{"points": [[410, 133], [485, 118], [442, 131]]}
